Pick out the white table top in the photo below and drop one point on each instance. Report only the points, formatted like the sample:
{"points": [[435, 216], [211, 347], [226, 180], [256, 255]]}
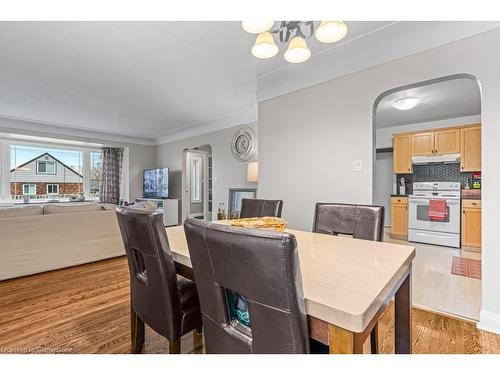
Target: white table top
{"points": [[345, 280]]}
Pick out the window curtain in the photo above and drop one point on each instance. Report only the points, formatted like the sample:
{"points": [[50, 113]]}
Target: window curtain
{"points": [[112, 159]]}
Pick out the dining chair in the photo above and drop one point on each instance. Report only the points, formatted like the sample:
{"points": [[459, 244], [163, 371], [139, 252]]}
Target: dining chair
{"points": [[166, 302], [363, 222], [260, 208], [250, 289]]}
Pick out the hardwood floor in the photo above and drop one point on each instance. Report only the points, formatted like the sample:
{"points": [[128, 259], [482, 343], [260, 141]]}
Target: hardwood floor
{"points": [[85, 309]]}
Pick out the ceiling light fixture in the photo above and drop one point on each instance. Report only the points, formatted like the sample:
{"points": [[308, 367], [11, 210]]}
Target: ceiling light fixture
{"points": [[331, 31], [297, 51], [404, 104], [256, 27], [264, 46], [293, 33]]}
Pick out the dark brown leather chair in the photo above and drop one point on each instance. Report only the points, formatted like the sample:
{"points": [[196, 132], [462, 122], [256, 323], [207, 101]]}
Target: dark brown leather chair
{"points": [[361, 221], [260, 208], [261, 266], [166, 302]]}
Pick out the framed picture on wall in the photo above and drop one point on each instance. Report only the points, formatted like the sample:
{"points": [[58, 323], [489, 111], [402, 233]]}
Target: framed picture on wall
{"points": [[235, 197]]}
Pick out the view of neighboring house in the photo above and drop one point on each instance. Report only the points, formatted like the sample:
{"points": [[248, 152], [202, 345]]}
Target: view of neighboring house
{"points": [[45, 175]]}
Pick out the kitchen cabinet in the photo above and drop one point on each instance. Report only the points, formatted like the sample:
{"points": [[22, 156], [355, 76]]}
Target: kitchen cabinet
{"points": [[471, 224], [399, 217], [470, 149], [464, 140], [447, 141], [422, 144], [401, 153], [439, 142]]}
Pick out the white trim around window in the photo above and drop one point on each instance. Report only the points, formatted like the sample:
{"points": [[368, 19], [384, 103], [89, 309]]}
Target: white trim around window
{"points": [[52, 189], [29, 189], [46, 163]]}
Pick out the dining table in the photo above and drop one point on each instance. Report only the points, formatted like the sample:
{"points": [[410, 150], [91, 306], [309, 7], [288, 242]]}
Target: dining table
{"points": [[348, 284]]}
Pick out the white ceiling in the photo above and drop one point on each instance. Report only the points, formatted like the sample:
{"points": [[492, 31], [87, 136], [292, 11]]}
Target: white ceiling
{"points": [[155, 81], [438, 101]]}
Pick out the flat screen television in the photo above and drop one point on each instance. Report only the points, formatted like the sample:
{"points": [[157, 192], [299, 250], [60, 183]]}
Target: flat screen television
{"points": [[155, 183]]}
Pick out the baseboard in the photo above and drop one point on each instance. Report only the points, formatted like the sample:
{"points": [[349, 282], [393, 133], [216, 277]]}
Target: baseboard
{"points": [[489, 321]]}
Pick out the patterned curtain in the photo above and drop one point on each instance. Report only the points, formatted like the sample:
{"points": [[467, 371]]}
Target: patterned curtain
{"points": [[111, 174]]}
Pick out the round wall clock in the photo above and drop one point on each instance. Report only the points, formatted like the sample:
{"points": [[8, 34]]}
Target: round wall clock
{"points": [[243, 144]]}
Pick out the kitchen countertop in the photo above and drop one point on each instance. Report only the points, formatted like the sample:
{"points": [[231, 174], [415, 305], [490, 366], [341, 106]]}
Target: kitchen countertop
{"points": [[471, 194]]}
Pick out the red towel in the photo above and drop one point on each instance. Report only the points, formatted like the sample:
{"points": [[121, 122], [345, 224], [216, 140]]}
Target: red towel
{"points": [[437, 209]]}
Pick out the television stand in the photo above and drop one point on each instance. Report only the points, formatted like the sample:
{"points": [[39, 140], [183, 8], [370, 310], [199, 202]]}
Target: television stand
{"points": [[168, 207]]}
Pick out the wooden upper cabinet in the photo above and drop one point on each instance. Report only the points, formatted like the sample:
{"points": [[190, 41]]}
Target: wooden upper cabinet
{"points": [[401, 153], [447, 142], [470, 149], [422, 144]]}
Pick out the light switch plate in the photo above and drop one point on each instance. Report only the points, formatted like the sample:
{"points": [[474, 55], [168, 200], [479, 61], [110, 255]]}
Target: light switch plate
{"points": [[357, 166]]}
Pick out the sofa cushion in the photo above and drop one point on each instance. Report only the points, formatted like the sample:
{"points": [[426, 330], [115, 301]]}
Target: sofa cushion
{"points": [[30, 210], [70, 207]]}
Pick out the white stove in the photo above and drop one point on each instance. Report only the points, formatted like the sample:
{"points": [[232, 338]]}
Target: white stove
{"points": [[421, 228]]}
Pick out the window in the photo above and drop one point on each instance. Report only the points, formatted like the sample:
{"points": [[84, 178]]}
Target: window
{"points": [[95, 173], [57, 171], [52, 189], [196, 164], [46, 167], [29, 189]]}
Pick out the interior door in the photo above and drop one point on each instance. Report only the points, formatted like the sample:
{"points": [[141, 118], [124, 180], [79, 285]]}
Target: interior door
{"points": [[195, 185]]}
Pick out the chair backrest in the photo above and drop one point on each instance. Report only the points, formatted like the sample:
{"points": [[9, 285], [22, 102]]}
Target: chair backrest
{"points": [[262, 266], [260, 208], [153, 278], [361, 221]]}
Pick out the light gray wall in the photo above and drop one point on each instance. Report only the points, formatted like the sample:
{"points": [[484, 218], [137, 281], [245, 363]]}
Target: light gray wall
{"points": [[310, 138], [227, 171], [141, 157]]}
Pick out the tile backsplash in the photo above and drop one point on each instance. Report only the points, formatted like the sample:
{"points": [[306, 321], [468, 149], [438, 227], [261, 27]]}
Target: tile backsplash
{"points": [[437, 173], [434, 173]]}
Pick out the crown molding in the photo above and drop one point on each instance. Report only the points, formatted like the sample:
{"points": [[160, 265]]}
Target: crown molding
{"points": [[243, 116], [16, 125]]}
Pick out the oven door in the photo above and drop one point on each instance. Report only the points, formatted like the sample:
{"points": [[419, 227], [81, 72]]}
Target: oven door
{"points": [[419, 216]]}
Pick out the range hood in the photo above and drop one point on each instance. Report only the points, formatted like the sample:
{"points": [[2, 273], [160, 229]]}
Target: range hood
{"points": [[432, 159]]}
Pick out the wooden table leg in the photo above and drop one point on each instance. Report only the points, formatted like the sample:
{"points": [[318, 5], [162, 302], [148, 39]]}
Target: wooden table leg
{"points": [[374, 339], [402, 325], [342, 341]]}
